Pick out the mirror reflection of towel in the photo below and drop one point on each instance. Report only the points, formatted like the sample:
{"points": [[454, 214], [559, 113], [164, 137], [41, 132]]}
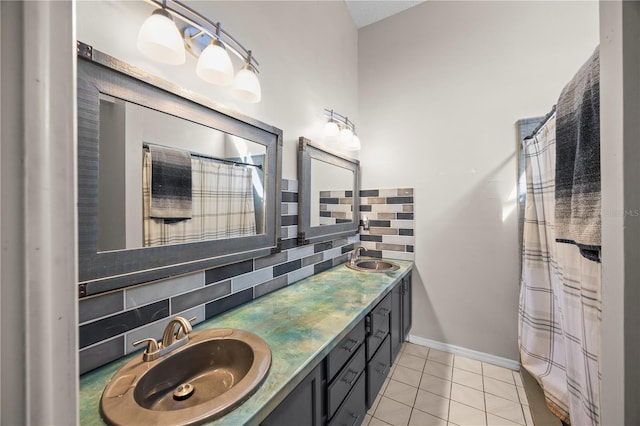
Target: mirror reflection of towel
{"points": [[170, 183]]}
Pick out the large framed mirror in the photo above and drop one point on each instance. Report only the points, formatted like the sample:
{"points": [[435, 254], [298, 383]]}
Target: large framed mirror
{"points": [[328, 197], [168, 182]]}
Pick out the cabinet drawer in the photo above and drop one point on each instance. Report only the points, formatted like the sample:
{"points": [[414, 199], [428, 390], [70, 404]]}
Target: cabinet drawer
{"points": [[339, 388], [378, 325], [347, 347], [377, 370], [352, 412]]}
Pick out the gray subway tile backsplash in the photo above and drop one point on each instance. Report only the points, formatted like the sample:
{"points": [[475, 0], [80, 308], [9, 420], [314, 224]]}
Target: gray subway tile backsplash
{"points": [[228, 271], [319, 267], [369, 193], [105, 328], [227, 303], [274, 259], [199, 297], [289, 197], [300, 274], [242, 282], [143, 295], [270, 286], [109, 324], [101, 354], [310, 260], [286, 267], [100, 306], [300, 252], [391, 222]]}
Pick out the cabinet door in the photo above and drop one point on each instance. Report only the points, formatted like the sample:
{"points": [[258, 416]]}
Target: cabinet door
{"points": [[303, 406], [378, 325], [352, 412], [377, 370], [396, 330], [406, 306], [340, 387]]}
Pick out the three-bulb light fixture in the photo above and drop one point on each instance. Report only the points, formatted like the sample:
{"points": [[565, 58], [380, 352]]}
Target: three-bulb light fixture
{"points": [[174, 28], [341, 131]]}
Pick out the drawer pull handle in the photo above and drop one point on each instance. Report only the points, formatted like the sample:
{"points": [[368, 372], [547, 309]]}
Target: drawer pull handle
{"points": [[384, 312], [380, 334], [353, 346], [356, 418], [353, 380], [385, 370]]}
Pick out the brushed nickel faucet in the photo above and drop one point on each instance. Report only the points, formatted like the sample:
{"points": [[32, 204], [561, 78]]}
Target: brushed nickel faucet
{"points": [[355, 255], [176, 334]]}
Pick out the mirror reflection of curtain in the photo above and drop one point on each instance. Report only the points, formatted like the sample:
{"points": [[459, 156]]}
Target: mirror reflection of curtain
{"points": [[222, 205]]}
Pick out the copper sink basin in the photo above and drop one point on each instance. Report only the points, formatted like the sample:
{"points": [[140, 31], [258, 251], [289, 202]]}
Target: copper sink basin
{"points": [[371, 265], [215, 372]]}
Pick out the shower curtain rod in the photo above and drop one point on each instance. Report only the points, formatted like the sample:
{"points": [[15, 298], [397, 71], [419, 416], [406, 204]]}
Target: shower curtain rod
{"points": [[207, 157], [542, 123]]}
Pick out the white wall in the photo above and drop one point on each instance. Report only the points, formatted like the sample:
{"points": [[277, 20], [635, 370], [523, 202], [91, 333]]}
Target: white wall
{"points": [[441, 86], [307, 52], [620, 155]]}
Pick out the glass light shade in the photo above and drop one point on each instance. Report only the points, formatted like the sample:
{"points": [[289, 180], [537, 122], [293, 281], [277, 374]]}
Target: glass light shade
{"points": [[346, 135], [160, 39], [246, 85], [331, 129], [354, 144], [214, 65]]}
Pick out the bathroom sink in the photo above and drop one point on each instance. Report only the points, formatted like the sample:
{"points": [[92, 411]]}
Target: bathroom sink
{"points": [[215, 372], [371, 265]]}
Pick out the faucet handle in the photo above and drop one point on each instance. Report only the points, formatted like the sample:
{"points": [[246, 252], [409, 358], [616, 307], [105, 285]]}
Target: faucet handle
{"points": [[182, 333], [152, 352]]}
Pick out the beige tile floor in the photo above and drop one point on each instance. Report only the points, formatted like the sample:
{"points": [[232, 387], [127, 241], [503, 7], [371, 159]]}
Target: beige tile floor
{"points": [[429, 387]]}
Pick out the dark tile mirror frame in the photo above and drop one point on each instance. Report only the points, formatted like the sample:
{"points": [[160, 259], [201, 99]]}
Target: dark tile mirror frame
{"points": [[109, 270], [307, 233]]}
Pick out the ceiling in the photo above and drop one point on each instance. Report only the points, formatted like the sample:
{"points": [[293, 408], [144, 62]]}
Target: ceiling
{"points": [[365, 12]]}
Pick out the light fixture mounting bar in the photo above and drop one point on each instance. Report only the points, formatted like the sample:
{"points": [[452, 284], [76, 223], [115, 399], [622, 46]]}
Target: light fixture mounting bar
{"points": [[190, 17], [340, 119]]}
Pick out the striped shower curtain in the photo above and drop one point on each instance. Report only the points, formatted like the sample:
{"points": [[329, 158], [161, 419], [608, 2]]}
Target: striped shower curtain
{"points": [[222, 205], [559, 321]]}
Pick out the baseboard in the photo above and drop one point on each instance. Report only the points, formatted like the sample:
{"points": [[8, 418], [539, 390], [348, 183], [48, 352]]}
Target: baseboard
{"points": [[469, 353]]}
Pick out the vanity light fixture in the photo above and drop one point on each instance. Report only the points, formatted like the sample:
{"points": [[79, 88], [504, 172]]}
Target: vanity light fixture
{"points": [[174, 25], [331, 129], [214, 63], [160, 39], [340, 127], [246, 85]]}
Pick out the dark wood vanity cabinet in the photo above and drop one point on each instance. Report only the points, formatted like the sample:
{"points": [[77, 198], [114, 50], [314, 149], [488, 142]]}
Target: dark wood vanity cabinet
{"points": [[304, 404], [346, 379], [344, 385], [378, 347], [406, 305], [400, 314]]}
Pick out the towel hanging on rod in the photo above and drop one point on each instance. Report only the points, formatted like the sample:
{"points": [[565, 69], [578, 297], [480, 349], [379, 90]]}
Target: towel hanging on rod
{"points": [[145, 146]]}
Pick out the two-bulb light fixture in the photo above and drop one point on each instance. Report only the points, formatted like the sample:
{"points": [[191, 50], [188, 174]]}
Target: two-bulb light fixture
{"points": [[174, 28], [341, 131]]}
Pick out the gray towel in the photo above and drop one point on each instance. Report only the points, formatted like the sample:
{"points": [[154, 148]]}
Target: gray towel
{"points": [[170, 183], [577, 209]]}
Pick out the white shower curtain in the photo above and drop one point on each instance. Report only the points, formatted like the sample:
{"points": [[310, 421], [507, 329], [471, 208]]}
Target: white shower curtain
{"points": [[222, 205], [559, 321]]}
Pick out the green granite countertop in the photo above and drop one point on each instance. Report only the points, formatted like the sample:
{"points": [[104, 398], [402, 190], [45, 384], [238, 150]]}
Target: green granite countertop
{"points": [[301, 323]]}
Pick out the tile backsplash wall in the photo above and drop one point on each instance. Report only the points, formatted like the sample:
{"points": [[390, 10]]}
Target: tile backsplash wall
{"points": [[391, 223], [336, 207], [110, 323]]}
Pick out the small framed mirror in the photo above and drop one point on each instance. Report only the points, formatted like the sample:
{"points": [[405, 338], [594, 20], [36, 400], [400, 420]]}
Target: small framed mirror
{"points": [[168, 182], [329, 199]]}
